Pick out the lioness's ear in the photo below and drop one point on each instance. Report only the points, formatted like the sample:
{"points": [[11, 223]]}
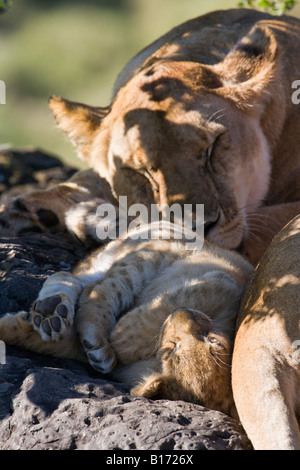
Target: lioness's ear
{"points": [[151, 387], [80, 122], [249, 69]]}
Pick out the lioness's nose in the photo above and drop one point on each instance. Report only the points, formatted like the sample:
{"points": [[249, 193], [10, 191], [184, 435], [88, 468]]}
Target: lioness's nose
{"points": [[210, 222]]}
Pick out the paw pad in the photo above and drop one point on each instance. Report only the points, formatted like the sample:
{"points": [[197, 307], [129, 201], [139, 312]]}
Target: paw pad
{"points": [[52, 317]]}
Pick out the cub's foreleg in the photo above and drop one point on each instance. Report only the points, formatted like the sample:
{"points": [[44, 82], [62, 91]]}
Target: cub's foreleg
{"points": [[101, 304], [49, 327]]}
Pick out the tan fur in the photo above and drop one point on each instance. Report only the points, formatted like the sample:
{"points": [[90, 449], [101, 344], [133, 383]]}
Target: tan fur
{"points": [[180, 307], [265, 368], [194, 362]]}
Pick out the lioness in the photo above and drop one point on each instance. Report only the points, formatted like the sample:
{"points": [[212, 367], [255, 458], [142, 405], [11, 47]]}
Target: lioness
{"points": [[203, 115], [179, 310]]}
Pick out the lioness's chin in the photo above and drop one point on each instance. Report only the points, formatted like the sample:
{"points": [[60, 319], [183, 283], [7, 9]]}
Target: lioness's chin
{"points": [[227, 237]]}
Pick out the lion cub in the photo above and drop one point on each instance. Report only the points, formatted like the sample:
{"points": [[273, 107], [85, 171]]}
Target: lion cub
{"points": [[163, 314]]}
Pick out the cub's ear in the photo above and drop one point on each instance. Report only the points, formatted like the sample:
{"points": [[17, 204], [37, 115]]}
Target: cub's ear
{"points": [[151, 387], [80, 122], [249, 69]]}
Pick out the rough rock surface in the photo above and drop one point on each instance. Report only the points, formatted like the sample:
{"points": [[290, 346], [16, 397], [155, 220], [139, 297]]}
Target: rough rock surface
{"points": [[50, 404], [27, 261], [46, 403]]}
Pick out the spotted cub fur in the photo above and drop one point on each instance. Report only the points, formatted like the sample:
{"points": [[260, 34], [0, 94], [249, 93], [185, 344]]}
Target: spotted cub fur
{"points": [[152, 312]]}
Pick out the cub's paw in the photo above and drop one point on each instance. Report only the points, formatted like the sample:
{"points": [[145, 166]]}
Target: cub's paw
{"points": [[99, 353], [52, 317]]}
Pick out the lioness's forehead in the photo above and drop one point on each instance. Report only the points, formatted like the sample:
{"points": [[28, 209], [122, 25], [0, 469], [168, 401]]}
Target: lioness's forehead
{"points": [[162, 96], [167, 80]]}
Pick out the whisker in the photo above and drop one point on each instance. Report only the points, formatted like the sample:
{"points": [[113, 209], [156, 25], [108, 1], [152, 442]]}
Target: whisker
{"points": [[216, 359], [215, 115], [264, 217], [262, 230], [256, 215], [225, 363]]}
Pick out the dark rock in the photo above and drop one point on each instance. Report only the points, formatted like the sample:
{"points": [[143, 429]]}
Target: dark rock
{"points": [[24, 170], [27, 261], [51, 404]]}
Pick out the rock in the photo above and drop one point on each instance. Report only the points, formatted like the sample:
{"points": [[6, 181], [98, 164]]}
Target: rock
{"points": [[24, 170], [27, 261], [51, 404]]}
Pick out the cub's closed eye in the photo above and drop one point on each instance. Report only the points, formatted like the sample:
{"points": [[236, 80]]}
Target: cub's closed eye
{"points": [[215, 342]]}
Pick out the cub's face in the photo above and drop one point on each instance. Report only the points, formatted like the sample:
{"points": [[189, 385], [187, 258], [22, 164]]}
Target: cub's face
{"points": [[195, 363]]}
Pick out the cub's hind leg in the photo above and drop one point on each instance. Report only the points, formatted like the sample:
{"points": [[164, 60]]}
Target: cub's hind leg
{"points": [[48, 327], [17, 329]]}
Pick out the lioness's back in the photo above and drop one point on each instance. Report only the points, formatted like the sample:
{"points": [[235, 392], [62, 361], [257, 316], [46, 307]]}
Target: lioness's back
{"points": [[220, 29]]}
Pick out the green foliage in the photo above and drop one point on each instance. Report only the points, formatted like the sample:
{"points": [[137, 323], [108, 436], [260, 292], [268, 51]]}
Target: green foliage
{"points": [[273, 7], [3, 6]]}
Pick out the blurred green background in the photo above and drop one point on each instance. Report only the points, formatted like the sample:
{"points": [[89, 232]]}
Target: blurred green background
{"points": [[75, 49]]}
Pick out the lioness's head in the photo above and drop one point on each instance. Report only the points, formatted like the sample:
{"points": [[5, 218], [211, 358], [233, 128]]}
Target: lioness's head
{"points": [[187, 133], [195, 363]]}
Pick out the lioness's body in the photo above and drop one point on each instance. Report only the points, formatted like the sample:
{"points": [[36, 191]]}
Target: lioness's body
{"points": [[265, 369]]}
